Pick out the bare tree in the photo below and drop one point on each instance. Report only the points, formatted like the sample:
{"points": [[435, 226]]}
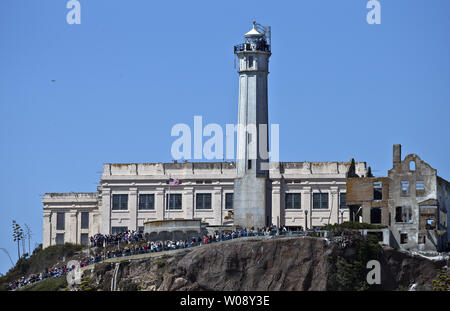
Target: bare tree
{"points": [[28, 235], [6, 252]]}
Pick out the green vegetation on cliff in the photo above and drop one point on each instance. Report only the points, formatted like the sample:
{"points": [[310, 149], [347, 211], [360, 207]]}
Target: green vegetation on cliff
{"points": [[38, 261]]}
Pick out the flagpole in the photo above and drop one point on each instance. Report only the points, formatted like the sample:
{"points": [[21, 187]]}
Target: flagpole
{"points": [[168, 202]]}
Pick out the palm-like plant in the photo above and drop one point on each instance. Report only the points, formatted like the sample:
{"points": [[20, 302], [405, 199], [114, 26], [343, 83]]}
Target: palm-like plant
{"points": [[17, 235]]}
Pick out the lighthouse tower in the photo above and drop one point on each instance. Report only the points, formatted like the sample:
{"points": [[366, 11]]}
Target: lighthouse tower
{"points": [[252, 202]]}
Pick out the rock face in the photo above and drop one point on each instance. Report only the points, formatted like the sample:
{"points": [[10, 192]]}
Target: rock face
{"points": [[296, 263], [278, 264]]}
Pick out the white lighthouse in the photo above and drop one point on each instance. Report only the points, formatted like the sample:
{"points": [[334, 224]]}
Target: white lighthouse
{"points": [[252, 202]]}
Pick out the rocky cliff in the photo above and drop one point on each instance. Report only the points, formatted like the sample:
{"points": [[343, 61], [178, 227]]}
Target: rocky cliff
{"points": [[294, 263]]}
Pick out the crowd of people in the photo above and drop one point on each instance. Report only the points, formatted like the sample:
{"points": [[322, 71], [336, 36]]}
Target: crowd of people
{"points": [[48, 273], [103, 240], [137, 243]]}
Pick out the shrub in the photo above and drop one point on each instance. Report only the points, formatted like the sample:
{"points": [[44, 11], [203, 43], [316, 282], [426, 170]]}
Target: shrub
{"points": [[353, 226], [38, 261], [50, 284]]}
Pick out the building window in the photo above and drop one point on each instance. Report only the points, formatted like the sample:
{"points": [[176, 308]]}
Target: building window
{"points": [[249, 164], [378, 191], [422, 238], [420, 185], [320, 200], [60, 221], [430, 224], [228, 201], [343, 201], [146, 201], [203, 201], [412, 166], [405, 187], [84, 220], [173, 201], [117, 230], [403, 214], [59, 238], [293, 201], [250, 61], [403, 238], [85, 239], [375, 215], [120, 202]]}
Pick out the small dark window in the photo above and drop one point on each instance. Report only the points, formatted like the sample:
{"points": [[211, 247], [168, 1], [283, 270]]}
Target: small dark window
{"points": [[343, 201], [249, 164], [293, 201], [378, 191], [84, 220], [398, 214], [422, 238], [228, 201], [174, 201], [320, 200], [59, 238], [60, 221], [120, 202], [203, 201], [146, 201], [85, 239], [375, 215], [403, 238], [250, 61]]}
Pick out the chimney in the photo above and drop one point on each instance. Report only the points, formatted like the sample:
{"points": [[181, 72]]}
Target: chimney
{"points": [[397, 155]]}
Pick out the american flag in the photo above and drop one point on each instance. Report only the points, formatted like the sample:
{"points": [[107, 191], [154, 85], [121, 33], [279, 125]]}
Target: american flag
{"points": [[174, 182]]}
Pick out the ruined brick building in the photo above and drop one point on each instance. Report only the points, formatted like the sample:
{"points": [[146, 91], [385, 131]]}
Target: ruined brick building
{"points": [[412, 201]]}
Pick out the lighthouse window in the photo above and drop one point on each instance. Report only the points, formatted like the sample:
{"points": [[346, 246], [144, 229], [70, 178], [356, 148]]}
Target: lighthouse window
{"points": [[250, 62]]}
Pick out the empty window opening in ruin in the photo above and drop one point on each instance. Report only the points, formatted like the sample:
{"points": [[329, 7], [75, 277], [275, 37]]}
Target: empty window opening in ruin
{"points": [[378, 191], [403, 238], [405, 187], [431, 224], [422, 238], [375, 215], [403, 214], [420, 185], [412, 166]]}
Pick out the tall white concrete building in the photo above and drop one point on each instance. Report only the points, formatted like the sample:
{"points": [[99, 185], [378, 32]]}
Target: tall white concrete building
{"points": [[293, 194]]}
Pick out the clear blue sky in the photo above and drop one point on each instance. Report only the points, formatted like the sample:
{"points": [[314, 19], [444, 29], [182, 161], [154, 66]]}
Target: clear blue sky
{"points": [[338, 87]]}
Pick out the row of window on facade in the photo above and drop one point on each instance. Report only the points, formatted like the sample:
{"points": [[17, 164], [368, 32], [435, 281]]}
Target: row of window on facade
{"points": [[403, 214], [320, 201], [173, 201], [378, 189], [60, 239], [61, 220], [203, 201]]}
